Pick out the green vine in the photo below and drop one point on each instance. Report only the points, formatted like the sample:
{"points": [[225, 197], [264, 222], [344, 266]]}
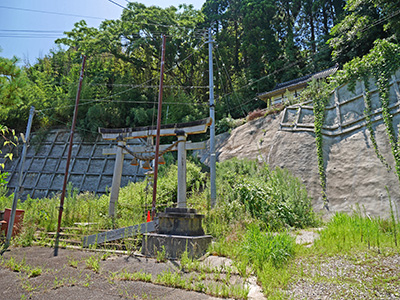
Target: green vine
{"points": [[383, 86], [367, 114], [382, 61], [319, 92]]}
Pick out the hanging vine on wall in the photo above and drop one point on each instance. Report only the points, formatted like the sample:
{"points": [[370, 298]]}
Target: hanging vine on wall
{"points": [[319, 92], [367, 114], [382, 62]]}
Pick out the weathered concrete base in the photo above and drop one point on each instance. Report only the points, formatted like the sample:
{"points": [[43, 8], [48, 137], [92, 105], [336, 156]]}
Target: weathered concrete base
{"points": [[180, 221], [175, 245]]}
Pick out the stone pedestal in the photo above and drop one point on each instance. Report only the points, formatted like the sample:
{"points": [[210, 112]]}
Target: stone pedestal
{"points": [[180, 230]]}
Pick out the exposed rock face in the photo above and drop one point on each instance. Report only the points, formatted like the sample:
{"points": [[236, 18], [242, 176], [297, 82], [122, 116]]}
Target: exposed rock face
{"points": [[355, 175]]}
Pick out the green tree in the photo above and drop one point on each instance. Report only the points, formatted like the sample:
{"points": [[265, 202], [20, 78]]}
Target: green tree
{"points": [[365, 21], [12, 82]]}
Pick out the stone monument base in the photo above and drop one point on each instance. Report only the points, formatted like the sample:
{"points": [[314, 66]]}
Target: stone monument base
{"points": [[175, 245]]}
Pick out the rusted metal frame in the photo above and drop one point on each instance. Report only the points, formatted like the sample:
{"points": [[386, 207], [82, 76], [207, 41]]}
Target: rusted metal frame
{"points": [[153, 208], [71, 139]]}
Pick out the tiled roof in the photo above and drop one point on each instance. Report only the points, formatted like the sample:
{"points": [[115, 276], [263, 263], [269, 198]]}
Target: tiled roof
{"points": [[298, 82]]}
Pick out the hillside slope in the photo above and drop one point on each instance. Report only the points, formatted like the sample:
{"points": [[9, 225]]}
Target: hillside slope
{"points": [[355, 175]]}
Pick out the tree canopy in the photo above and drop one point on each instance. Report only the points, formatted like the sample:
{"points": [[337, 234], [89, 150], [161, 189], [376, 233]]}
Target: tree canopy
{"points": [[258, 43]]}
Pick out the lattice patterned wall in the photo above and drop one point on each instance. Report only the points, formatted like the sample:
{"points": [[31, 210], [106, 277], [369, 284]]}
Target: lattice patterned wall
{"points": [[90, 170], [344, 113]]}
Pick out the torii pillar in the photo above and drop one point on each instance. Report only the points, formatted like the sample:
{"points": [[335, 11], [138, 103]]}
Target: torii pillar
{"points": [[116, 180], [181, 130], [181, 201]]}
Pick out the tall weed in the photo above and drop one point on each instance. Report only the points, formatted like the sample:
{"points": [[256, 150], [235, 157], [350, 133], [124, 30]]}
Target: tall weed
{"points": [[275, 197], [261, 248], [347, 233]]}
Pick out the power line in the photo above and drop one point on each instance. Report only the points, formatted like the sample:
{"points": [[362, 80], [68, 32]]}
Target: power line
{"points": [[152, 86], [117, 4], [50, 12], [147, 23], [230, 81], [127, 90], [90, 101], [29, 36], [32, 30], [376, 22], [143, 102], [325, 47]]}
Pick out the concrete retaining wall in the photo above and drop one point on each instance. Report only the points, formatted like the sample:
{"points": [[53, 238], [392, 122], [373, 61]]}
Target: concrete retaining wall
{"points": [[355, 175], [90, 170]]}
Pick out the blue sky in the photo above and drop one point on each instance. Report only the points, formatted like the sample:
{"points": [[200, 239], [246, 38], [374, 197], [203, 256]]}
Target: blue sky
{"points": [[28, 28]]}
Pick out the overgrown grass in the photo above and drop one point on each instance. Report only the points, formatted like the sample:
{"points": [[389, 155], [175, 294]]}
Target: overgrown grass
{"points": [[133, 203], [246, 192], [261, 248], [257, 211], [357, 232]]}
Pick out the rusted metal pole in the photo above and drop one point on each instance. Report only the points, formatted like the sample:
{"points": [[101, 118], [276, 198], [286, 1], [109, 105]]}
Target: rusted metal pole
{"points": [[213, 187], [153, 208], [21, 171], [71, 139]]}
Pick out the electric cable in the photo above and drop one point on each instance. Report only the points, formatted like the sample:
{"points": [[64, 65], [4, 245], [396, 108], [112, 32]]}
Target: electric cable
{"points": [[117, 4], [222, 85], [246, 85], [127, 90], [376, 22], [230, 81], [152, 86], [91, 17], [51, 12]]}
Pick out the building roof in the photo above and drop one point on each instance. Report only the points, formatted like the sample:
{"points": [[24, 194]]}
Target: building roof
{"points": [[301, 82]]}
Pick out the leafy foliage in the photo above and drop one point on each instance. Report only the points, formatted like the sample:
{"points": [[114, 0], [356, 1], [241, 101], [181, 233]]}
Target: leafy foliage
{"points": [[12, 82], [365, 22], [255, 42], [276, 198]]}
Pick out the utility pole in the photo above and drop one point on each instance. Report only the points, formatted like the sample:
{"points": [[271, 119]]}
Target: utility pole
{"points": [[21, 170], [71, 139], [160, 94], [212, 116]]}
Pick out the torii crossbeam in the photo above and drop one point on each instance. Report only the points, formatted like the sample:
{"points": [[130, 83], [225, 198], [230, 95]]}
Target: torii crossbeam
{"points": [[181, 130]]}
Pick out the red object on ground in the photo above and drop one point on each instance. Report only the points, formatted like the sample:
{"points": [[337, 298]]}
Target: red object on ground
{"points": [[148, 216], [3, 227], [19, 217]]}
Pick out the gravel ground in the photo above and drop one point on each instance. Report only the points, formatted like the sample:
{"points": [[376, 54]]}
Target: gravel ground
{"points": [[360, 276], [368, 275]]}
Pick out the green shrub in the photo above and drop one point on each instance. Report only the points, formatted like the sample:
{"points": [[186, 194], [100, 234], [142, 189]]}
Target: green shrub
{"points": [[275, 197]]}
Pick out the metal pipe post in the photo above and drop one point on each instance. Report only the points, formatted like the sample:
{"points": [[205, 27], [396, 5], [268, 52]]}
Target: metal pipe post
{"points": [[212, 127], [71, 139], [116, 180], [153, 209], [21, 171]]}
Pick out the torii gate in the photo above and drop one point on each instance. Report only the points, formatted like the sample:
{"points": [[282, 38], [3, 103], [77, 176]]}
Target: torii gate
{"points": [[181, 130]]}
